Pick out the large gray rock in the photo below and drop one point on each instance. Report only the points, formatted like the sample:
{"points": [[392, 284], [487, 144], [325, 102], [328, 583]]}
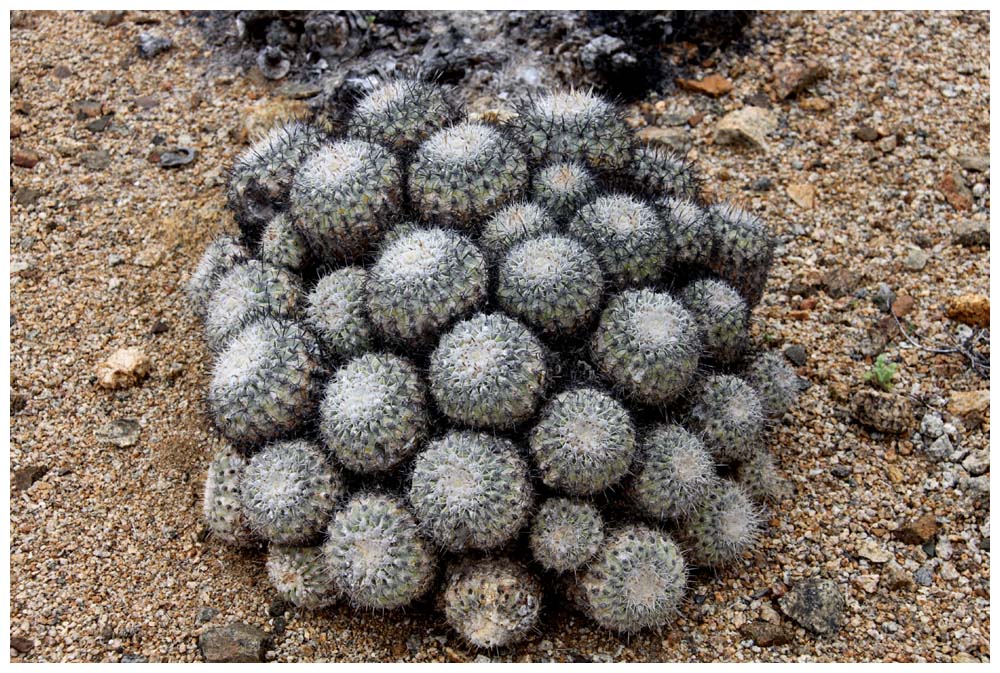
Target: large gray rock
{"points": [[233, 643], [816, 604]]}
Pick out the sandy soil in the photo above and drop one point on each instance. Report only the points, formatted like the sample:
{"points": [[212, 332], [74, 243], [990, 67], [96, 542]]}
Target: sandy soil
{"points": [[108, 554]]}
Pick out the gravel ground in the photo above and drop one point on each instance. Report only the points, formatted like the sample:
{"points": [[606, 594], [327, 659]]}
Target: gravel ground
{"points": [[866, 176]]}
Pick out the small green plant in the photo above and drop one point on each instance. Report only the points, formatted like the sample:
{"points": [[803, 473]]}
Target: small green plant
{"points": [[881, 373]]}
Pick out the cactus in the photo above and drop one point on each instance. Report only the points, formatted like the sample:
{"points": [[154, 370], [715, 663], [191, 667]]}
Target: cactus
{"points": [[222, 507], [512, 224], [421, 281], [722, 316], [249, 290], [264, 383], [728, 417], [470, 491], [562, 188], [637, 580], [660, 172], [674, 472], [492, 603], [775, 381], [574, 126], [760, 478], [742, 250], [724, 525], [551, 282], [489, 316], [647, 344], [584, 442], [373, 413], [219, 258], [462, 174], [689, 232], [289, 492], [262, 175], [301, 576], [627, 237], [400, 114], [282, 245], [335, 312], [375, 553], [488, 372], [566, 534], [344, 197]]}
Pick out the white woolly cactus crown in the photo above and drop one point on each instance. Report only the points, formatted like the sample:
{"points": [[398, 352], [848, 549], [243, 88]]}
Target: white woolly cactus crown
{"points": [[471, 360]]}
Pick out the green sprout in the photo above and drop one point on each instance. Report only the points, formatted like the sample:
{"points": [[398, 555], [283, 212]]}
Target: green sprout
{"points": [[881, 373]]}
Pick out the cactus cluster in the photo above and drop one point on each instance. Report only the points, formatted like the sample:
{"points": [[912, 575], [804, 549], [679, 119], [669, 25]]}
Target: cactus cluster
{"points": [[466, 360]]}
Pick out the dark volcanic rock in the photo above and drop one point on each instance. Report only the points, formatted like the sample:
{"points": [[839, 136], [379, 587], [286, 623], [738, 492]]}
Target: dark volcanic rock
{"points": [[620, 52], [816, 604]]}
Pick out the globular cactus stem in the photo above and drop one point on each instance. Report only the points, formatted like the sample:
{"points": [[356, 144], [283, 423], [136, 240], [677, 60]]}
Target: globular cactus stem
{"points": [[568, 126], [775, 381], [265, 383], [373, 413], [219, 257], [421, 281], [584, 442], [728, 417], [289, 492], [647, 344], [550, 282], [724, 525], [723, 318], [375, 553], [464, 173], [335, 312], [637, 580], [470, 491], [488, 372], [513, 224], [562, 188], [262, 175], [674, 472], [400, 114], [742, 250], [249, 290], [661, 172], [492, 603], [222, 507], [566, 534], [626, 235], [301, 576], [367, 181]]}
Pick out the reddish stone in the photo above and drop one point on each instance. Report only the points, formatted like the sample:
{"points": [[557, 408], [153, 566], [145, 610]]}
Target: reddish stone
{"points": [[955, 191], [714, 85], [902, 305], [25, 158]]}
